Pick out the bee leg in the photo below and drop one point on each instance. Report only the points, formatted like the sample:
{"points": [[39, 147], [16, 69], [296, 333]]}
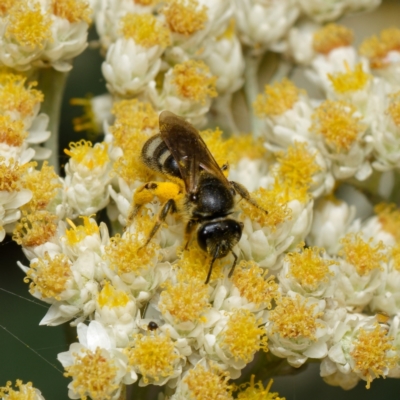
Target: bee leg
{"points": [[244, 194], [215, 256], [188, 231], [233, 265], [169, 206]]}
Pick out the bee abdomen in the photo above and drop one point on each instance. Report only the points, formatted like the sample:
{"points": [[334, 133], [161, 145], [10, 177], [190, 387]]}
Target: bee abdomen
{"points": [[156, 155]]}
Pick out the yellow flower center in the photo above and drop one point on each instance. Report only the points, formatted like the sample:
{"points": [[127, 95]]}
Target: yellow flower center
{"points": [[27, 25], [193, 80], [5, 6], [335, 121], [243, 336], [389, 217], [361, 254], [43, 184], [330, 37], [84, 153], [154, 356], [277, 98], [15, 97], [11, 173], [25, 391], [256, 391], [253, 283], [111, 297], [145, 29], [376, 49], [294, 318], [93, 374], [309, 268], [72, 10], [185, 16], [350, 81], [374, 353], [208, 384], [35, 229], [185, 301], [49, 276], [78, 233], [395, 253], [126, 254], [297, 166], [12, 133], [394, 108]]}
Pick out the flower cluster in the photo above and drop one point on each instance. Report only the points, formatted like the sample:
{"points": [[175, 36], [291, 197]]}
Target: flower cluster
{"points": [[307, 279]]}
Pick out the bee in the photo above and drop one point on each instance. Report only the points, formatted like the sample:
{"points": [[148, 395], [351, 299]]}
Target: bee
{"points": [[208, 199]]}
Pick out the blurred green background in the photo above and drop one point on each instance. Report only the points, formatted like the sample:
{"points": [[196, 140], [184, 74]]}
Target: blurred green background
{"points": [[20, 316]]}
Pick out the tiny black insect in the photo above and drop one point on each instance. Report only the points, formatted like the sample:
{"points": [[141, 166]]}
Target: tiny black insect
{"points": [[152, 326], [208, 200]]}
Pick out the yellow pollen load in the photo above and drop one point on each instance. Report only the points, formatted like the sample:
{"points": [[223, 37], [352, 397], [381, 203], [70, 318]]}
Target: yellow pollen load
{"points": [[309, 268], [49, 276], [297, 166], [154, 356], [185, 16], [389, 218], [394, 108], [25, 391], [194, 263], [35, 229], [17, 96], [125, 254], [93, 374], [72, 10], [254, 285], [78, 233], [361, 255], [111, 297], [271, 201], [145, 29], [373, 353], [193, 80], [335, 121], [11, 173], [43, 184], [256, 391], [277, 98], [350, 81], [208, 384], [376, 49], [294, 319], [83, 152], [243, 336], [185, 301], [12, 133], [330, 37], [28, 25]]}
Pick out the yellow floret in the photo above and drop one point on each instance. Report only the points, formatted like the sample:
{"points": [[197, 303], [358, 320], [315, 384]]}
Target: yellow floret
{"points": [[330, 37]]}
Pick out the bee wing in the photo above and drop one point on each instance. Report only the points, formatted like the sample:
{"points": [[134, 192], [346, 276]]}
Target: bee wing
{"points": [[189, 150]]}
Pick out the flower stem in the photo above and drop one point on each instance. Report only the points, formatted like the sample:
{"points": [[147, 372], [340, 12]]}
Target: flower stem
{"points": [[52, 84]]}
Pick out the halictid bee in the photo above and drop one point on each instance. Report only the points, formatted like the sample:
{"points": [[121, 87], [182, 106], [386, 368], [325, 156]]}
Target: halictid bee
{"points": [[208, 198]]}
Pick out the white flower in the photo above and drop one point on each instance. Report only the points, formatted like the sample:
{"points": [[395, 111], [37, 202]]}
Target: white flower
{"points": [[98, 369]]}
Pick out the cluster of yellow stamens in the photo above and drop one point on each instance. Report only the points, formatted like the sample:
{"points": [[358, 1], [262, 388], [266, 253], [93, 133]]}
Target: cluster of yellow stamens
{"points": [[373, 353], [76, 234], [394, 108], [336, 122], [193, 81], [111, 297], [389, 218], [243, 335], [12, 132], [278, 98], [376, 49], [11, 173], [257, 391], [84, 153], [362, 254], [49, 275], [294, 318], [308, 267], [93, 374], [331, 37], [25, 391], [350, 81], [72, 10], [185, 16], [154, 356], [145, 29]]}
